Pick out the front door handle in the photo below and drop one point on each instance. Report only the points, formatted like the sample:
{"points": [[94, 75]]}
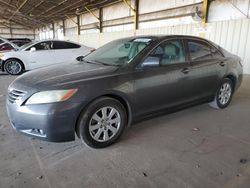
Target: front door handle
{"points": [[185, 70], [222, 64]]}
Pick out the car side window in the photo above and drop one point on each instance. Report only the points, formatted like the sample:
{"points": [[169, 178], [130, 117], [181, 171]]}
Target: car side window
{"points": [[216, 53], [47, 45], [199, 50], [70, 45], [170, 52], [6, 46], [60, 45]]}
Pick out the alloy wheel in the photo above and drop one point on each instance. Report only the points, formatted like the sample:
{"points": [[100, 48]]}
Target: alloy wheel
{"points": [[225, 93], [13, 67], [104, 124]]}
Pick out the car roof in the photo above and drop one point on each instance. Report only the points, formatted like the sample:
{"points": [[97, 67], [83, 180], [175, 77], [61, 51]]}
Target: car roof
{"points": [[45, 40], [161, 37]]}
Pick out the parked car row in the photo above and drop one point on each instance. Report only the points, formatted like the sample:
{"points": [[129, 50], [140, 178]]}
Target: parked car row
{"points": [[39, 54]]}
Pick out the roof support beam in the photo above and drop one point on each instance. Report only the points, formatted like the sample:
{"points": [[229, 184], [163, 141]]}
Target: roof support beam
{"points": [[17, 22], [53, 29], [92, 13], [78, 25], [63, 24], [136, 16], [205, 12], [36, 6], [7, 4], [23, 3], [135, 11], [71, 19], [100, 19]]}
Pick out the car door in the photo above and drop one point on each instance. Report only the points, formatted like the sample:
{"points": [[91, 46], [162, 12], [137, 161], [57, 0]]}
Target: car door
{"points": [[65, 51], [40, 55], [206, 64], [162, 79]]}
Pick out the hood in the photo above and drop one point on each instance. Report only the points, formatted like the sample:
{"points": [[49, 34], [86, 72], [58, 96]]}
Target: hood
{"points": [[61, 75]]}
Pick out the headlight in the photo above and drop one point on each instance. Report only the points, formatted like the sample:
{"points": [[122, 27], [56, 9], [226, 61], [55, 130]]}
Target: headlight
{"points": [[51, 96], [1, 55]]}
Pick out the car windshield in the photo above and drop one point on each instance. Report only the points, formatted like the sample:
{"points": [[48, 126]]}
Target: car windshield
{"points": [[118, 52], [26, 45]]}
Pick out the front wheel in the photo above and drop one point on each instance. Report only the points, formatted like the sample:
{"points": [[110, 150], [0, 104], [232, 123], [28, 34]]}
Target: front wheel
{"points": [[13, 67], [223, 95], [102, 123]]}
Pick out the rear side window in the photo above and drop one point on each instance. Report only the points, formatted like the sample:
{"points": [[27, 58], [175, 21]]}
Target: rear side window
{"points": [[199, 50], [6, 46], [59, 45], [42, 46]]}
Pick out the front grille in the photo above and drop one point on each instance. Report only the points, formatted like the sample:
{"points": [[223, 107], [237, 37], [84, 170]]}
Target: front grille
{"points": [[15, 95]]}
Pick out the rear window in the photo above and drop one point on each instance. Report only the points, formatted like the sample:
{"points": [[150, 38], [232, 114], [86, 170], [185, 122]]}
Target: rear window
{"points": [[57, 45], [6, 46]]}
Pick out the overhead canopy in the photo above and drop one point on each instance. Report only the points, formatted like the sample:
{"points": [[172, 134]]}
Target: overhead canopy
{"points": [[36, 13]]}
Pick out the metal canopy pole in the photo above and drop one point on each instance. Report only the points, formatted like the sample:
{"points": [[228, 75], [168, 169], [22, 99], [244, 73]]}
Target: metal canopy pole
{"points": [[135, 11], [98, 18]]}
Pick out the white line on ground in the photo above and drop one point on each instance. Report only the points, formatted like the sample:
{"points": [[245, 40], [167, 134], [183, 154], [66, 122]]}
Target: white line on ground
{"points": [[40, 164]]}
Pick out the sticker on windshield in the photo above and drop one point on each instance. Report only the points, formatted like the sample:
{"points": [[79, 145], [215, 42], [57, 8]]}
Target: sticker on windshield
{"points": [[142, 40]]}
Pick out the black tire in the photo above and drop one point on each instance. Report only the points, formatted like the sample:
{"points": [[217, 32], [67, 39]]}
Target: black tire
{"points": [[217, 102], [13, 67], [86, 119]]}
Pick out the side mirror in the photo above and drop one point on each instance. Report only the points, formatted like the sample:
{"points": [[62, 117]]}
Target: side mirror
{"points": [[32, 49], [151, 62], [80, 58]]}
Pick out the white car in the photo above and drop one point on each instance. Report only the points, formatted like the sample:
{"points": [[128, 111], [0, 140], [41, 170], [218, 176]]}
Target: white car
{"points": [[40, 54]]}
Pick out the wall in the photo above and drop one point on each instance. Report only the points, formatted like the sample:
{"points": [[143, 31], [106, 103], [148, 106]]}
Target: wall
{"points": [[228, 23], [15, 31]]}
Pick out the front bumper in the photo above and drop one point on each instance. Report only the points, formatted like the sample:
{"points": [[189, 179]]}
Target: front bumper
{"points": [[1, 62], [51, 122]]}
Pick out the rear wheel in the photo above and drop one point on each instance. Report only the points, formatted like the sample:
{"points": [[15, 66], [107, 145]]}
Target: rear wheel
{"points": [[102, 123], [13, 66], [223, 95]]}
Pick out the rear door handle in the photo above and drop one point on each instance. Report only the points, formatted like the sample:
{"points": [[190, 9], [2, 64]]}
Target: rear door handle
{"points": [[222, 64], [185, 70]]}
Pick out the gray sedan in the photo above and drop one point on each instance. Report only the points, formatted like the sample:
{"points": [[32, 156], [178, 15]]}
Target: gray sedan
{"points": [[128, 79]]}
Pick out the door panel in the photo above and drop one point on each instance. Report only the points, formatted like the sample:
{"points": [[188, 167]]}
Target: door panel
{"points": [[65, 51], [205, 68], [42, 56], [162, 87], [165, 85]]}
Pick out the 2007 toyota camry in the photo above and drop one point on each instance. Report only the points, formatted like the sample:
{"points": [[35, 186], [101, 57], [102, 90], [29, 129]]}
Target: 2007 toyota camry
{"points": [[124, 80]]}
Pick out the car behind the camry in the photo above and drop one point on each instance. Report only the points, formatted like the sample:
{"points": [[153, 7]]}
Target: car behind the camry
{"points": [[122, 81]]}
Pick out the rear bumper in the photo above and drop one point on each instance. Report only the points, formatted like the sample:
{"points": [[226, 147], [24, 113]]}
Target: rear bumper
{"points": [[49, 122], [239, 81]]}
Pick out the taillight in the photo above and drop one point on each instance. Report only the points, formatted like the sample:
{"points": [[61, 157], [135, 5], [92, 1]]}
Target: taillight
{"points": [[241, 63]]}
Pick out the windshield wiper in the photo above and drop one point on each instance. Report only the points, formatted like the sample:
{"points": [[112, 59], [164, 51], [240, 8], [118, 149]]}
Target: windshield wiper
{"points": [[92, 62], [98, 62]]}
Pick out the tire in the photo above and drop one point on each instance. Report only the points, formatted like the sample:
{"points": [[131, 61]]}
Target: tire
{"points": [[98, 130], [223, 94], [13, 67]]}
